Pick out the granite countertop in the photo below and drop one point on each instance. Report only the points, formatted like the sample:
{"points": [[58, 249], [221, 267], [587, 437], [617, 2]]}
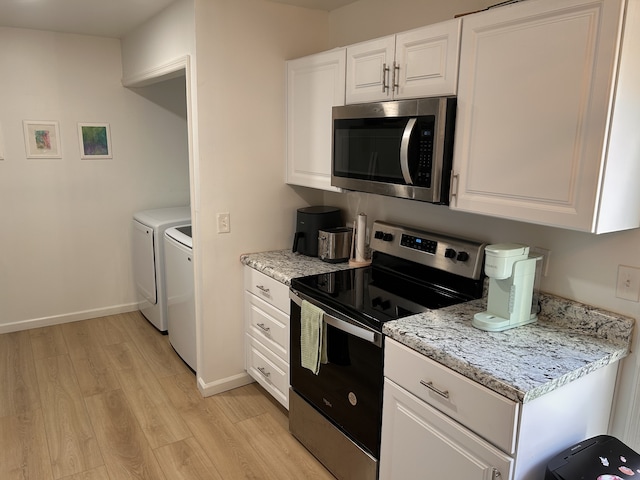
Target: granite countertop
{"points": [[283, 265], [568, 341]]}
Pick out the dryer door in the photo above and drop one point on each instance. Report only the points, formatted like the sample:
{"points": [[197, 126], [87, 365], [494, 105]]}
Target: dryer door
{"points": [[144, 265]]}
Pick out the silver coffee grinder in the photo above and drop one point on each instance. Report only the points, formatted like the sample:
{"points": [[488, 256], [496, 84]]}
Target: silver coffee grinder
{"points": [[513, 287]]}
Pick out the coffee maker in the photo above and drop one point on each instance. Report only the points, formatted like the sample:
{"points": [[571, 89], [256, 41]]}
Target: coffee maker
{"points": [[513, 287]]}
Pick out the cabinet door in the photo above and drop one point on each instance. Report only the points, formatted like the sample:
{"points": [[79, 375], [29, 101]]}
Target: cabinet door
{"points": [[369, 70], [427, 61], [535, 87], [419, 442], [315, 84]]}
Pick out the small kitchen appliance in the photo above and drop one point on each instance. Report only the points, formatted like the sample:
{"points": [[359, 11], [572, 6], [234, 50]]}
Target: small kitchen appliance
{"points": [[309, 222], [334, 244], [400, 148], [336, 412], [513, 276]]}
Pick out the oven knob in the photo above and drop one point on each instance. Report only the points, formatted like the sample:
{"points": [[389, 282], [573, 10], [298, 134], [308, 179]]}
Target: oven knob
{"points": [[462, 257], [387, 237], [450, 253], [378, 234], [376, 301]]}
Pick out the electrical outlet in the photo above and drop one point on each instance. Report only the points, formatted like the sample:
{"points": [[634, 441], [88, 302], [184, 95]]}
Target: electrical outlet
{"points": [[628, 284], [224, 225]]}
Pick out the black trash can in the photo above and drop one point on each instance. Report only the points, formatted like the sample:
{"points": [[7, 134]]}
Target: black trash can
{"points": [[598, 458]]}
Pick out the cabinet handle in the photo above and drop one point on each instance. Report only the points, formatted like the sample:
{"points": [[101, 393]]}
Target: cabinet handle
{"points": [[496, 473], [396, 77], [385, 78], [455, 180], [263, 288], [264, 372], [429, 385], [264, 328]]}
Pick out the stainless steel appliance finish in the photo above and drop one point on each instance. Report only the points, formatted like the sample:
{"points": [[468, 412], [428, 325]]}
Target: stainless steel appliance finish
{"points": [[400, 149], [412, 271], [334, 244]]}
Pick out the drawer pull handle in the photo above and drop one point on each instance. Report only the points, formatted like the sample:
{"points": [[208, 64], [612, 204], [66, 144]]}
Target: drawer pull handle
{"points": [[264, 328], [263, 289], [496, 473], [264, 372], [429, 385]]}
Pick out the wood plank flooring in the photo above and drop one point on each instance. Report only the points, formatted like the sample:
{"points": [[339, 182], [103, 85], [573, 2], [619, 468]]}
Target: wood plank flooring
{"points": [[108, 399]]}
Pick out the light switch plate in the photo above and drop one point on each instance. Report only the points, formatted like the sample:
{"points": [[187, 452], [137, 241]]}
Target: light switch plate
{"points": [[628, 284], [224, 225]]}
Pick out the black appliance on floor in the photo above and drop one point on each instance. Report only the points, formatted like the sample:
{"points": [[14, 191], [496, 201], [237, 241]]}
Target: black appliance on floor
{"points": [[337, 413], [598, 458]]}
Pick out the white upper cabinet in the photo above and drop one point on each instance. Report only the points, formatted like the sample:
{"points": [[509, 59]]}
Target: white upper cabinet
{"points": [[417, 63], [548, 112], [315, 84]]}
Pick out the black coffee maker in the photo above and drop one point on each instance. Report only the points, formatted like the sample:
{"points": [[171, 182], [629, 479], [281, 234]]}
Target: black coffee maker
{"points": [[308, 222]]}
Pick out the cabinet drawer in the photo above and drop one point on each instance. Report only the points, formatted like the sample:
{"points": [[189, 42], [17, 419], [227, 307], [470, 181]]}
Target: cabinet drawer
{"points": [[268, 370], [488, 414], [267, 288], [267, 324]]}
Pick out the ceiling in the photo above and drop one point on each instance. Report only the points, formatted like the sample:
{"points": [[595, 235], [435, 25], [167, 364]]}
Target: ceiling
{"points": [[106, 18]]}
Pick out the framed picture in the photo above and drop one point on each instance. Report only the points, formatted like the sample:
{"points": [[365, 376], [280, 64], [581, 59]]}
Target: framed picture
{"points": [[42, 139], [95, 140]]}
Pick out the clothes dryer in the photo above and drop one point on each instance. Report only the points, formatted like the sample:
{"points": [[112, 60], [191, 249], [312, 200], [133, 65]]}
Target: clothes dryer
{"points": [[148, 260]]}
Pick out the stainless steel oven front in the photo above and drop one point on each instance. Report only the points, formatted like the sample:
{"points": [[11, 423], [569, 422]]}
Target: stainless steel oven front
{"points": [[337, 413]]}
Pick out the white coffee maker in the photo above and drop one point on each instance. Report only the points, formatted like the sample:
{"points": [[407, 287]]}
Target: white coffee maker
{"points": [[513, 276]]}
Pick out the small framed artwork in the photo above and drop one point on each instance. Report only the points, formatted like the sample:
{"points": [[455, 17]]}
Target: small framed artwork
{"points": [[95, 140], [42, 139]]}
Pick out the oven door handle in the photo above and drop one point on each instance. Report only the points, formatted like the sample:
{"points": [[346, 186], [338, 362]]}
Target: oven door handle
{"points": [[350, 328], [404, 151]]}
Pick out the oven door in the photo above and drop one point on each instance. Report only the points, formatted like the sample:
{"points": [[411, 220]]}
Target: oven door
{"points": [[348, 388]]}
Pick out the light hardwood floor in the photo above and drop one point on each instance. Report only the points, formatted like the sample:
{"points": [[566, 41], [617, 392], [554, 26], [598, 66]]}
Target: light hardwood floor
{"points": [[108, 399]]}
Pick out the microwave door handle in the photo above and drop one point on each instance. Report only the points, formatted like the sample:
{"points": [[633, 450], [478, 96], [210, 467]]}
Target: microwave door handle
{"points": [[404, 150]]}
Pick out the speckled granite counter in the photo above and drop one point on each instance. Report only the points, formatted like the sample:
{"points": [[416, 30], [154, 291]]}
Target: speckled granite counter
{"points": [[568, 341], [283, 265]]}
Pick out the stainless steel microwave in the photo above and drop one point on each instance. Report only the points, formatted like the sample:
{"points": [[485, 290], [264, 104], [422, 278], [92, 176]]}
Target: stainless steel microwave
{"points": [[401, 148]]}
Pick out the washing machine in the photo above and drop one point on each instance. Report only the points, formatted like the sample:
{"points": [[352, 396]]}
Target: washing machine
{"points": [[178, 258], [149, 227]]}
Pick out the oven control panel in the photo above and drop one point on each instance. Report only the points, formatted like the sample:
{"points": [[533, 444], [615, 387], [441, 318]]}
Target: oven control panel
{"points": [[460, 256], [419, 243]]}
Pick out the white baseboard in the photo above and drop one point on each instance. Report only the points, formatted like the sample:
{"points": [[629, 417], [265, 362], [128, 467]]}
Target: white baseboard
{"points": [[66, 318], [224, 384]]}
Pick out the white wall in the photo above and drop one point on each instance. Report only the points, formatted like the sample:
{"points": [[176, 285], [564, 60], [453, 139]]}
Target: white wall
{"points": [[160, 41], [242, 46], [66, 222], [582, 266]]}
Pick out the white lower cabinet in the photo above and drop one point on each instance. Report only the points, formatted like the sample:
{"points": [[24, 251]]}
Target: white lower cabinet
{"points": [[266, 315], [437, 423], [420, 442]]}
